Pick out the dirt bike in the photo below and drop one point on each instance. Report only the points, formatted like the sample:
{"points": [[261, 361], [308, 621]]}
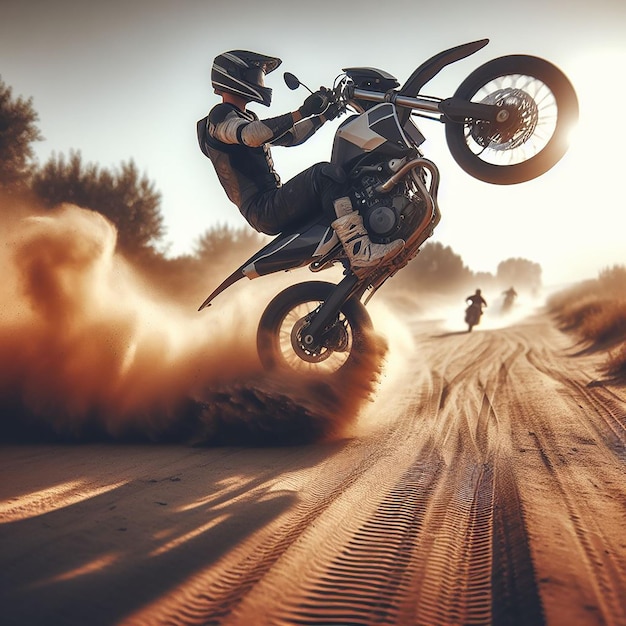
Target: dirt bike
{"points": [[507, 122], [473, 314], [509, 301]]}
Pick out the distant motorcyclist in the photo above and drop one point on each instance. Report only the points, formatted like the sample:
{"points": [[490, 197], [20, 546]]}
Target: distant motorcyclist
{"points": [[477, 300], [509, 298], [474, 311], [238, 144], [510, 293]]}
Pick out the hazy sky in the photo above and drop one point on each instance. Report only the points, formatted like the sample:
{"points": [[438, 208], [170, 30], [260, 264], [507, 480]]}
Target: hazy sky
{"points": [[121, 80]]}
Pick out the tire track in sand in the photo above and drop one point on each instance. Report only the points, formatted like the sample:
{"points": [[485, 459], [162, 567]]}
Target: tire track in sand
{"points": [[447, 544], [572, 440]]}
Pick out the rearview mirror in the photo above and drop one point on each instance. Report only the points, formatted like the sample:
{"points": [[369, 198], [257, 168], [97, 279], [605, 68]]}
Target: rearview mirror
{"points": [[291, 81]]}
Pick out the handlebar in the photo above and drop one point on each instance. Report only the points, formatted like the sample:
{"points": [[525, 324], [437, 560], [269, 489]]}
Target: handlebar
{"points": [[454, 109], [421, 104]]}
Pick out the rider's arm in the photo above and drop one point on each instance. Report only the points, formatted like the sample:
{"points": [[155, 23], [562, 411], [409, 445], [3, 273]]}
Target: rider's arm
{"points": [[301, 131], [229, 125]]}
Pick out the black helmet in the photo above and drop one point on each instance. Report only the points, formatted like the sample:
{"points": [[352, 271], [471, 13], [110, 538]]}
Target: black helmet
{"points": [[241, 72]]}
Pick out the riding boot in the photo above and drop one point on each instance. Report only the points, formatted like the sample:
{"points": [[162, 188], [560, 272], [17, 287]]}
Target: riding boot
{"points": [[361, 252]]}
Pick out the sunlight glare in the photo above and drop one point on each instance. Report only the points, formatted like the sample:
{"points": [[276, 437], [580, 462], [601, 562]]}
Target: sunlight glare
{"points": [[192, 534], [96, 565], [53, 498]]}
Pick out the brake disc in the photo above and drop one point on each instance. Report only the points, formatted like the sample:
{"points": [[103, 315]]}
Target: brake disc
{"points": [[519, 126], [306, 354], [334, 340]]}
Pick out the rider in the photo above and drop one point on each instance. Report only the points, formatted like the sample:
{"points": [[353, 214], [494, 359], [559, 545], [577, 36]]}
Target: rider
{"points": [[510, 294], [477, 300], [509, 298], [238, 144]]}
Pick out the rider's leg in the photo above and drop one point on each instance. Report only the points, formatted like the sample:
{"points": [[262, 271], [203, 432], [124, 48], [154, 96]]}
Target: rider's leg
{"points": [[325, 184], [330, 183], [361, 252]]}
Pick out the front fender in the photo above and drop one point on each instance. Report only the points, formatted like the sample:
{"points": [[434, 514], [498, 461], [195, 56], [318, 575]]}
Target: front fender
{"points": [[435, 64]]}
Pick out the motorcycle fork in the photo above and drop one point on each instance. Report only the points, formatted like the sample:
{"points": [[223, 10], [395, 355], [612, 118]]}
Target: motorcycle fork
{"points": [[328, 312]]}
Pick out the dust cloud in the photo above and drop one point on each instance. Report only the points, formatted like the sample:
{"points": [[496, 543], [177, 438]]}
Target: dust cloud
{"points": [[89, 350], [452, 316]]}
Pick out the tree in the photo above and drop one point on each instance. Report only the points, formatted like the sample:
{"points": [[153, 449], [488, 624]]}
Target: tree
{"points": [[436, 268], [17, 132], [221, 241], [519, 273], [122, 196]]}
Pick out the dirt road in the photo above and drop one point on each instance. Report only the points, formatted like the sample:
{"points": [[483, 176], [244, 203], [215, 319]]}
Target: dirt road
{"points": [[486, 484]]}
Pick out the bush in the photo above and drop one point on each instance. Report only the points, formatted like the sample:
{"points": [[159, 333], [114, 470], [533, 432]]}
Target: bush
{"points": [[124, 197], [17, 132], [605, 324], [596, 312]]}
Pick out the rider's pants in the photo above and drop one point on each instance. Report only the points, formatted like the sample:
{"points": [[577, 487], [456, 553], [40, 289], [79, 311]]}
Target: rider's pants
{"points": [[301, 199]]}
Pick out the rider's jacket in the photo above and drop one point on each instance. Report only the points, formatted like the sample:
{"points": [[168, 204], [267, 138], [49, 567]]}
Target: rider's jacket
{"points": [[476, 300], [238, 144]]}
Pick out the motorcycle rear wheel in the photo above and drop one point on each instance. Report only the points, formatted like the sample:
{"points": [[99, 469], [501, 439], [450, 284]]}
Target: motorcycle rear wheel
{"points": [[282, 323], [543, 107]]}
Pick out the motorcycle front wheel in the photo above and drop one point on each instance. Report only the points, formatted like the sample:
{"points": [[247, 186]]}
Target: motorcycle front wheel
{"points": [[472, 317], [542, 109], [282, 326]]}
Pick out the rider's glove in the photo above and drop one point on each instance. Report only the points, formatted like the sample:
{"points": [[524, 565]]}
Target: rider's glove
{"points": [[332, 111], [315, 104]]}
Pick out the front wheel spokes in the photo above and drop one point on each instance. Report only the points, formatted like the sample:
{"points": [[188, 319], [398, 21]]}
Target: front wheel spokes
{"points": [[535, 106]]}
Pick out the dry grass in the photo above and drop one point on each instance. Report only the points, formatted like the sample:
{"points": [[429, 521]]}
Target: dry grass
{"points": [[596, 311]]}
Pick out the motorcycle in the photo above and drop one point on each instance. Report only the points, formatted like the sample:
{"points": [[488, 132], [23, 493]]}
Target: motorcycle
{"points": [[507, 123], [509, 300], [473, 314]]}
